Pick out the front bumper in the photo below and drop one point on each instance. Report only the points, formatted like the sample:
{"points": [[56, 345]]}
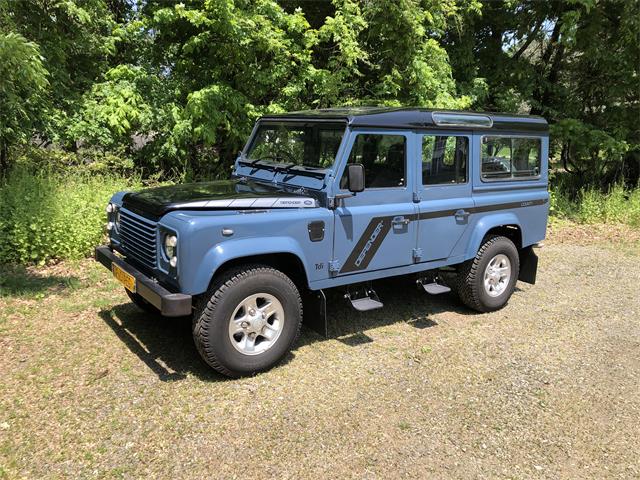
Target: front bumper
{"points": [[169, 304]]}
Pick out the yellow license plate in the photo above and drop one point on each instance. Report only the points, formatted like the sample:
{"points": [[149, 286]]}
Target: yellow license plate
{"points": [[124, 278]]}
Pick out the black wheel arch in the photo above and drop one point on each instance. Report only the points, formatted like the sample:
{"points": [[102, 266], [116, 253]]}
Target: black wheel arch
{"points": [[288, 263]]}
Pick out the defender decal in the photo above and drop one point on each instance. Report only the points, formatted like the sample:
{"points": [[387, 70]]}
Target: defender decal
{"points": [[368, 244]]}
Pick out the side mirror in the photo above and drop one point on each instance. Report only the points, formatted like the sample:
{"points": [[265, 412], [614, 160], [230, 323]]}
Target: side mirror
{"points": [[355, 177]]}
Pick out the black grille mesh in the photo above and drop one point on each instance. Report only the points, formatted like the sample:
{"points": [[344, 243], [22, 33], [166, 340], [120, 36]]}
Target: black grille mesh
{"points": [[138, 237]]}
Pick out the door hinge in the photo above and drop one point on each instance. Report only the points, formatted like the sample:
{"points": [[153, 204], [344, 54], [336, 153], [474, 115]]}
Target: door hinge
{"points": [[417, 197], [417, 254], [334, 266]]}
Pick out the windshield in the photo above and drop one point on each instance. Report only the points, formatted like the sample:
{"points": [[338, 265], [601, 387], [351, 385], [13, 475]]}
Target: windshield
{"points": [[312, 145]]}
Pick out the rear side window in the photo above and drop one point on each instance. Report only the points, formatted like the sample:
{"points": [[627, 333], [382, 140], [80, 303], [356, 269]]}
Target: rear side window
{"points": [[444, 159], [510, 158], [384, 159]]}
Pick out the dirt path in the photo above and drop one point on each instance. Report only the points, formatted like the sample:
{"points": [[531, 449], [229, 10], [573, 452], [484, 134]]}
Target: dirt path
{"points": [[549, 387]]}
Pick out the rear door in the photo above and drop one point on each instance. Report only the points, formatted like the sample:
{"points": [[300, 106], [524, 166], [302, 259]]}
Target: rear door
{"points": [[444, 190], [375, 230]]}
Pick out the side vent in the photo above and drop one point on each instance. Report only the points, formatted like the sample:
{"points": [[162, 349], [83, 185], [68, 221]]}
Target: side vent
{"points": [[316, 231]]}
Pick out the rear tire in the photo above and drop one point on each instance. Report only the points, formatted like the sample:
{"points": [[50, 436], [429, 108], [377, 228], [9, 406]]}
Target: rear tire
{"points": [[247, 321], [486, 282]]}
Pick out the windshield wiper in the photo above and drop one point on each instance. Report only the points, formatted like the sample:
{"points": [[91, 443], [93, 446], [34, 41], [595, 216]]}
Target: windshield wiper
{"points": [[289, 169], [256, 164], [292, 171]]}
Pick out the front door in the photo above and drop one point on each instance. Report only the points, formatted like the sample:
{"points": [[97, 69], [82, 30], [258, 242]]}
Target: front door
{"points": [[375, 230], [445, 193]]}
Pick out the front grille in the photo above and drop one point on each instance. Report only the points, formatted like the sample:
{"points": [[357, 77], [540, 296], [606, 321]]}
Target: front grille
{"points": [[138, 237]]}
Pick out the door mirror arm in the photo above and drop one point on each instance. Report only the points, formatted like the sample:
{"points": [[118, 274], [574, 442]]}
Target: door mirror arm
{"points": [[335, 202]]}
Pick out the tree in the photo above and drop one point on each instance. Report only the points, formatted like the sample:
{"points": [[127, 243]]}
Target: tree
{"points": [[575, 63], [225, 63], [113, 110], [23, 86], [77, 43]]}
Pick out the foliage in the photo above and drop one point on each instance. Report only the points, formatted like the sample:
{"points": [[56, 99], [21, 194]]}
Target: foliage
{"points": [[617, 205], [187, 80], [600, 153], [83, 162], [76, 41], [113, 111], [23, 80], [576, 63], [48, 216]]}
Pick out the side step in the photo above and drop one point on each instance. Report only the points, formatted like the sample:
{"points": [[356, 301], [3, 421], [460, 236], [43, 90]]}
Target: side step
{"points": [[363, 299], [433, 287]]}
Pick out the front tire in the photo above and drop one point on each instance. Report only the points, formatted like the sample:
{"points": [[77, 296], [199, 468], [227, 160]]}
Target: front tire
{"points": [[486, 282], [247, 321]]}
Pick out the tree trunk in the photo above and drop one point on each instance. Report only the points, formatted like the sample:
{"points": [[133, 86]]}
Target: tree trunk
{"points": [[542, 94], [4, 159], [530, 38]]}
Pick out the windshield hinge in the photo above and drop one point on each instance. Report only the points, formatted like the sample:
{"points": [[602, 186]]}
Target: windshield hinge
{"points": [[417, 197], [334, 266]]}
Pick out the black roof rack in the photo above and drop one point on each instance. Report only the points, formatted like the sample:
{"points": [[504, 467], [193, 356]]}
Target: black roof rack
{"points": [[420, 118]]}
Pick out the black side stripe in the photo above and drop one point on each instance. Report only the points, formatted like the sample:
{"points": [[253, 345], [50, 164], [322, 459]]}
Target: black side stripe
{"points": [[378, 228], [483, 209]]}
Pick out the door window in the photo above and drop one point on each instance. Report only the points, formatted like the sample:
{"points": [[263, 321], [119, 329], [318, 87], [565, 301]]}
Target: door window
{"points": [[384, 159], [444, 159]]}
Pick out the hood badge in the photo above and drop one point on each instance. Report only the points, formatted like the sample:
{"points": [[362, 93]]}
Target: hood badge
{"points": [[227, 232]]}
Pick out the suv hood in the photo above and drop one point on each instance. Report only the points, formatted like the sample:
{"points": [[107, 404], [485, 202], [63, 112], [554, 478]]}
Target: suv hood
{"points": [[222, 194]]}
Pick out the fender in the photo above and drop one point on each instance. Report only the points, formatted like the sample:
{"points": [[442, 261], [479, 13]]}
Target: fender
{"points": [[486, 223], [242, 247]]}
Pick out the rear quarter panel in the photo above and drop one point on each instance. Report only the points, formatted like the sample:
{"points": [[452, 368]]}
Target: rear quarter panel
{"points": [[524, 203]]}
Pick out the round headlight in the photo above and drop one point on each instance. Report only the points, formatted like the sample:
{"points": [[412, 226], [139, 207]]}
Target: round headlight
{"points": [[110, 208], [170, 242]]}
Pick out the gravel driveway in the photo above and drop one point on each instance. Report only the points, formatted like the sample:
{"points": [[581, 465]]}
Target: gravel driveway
{"points": [[549, 387]]}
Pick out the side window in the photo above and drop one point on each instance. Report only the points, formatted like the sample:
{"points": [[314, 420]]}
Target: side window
{"points": [[444, 159], [383, 157], [510, 157]]}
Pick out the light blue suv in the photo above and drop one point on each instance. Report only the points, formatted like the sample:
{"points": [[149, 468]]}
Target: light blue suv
{"points": [[335, 198]]}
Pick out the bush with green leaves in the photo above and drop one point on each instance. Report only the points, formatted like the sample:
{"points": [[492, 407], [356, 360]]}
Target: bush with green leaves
{"points": [[52, 216], [590, 205]]}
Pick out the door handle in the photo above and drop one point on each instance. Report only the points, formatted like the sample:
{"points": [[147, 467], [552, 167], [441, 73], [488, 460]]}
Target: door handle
{"points": [[400, 221], [462, 214]]}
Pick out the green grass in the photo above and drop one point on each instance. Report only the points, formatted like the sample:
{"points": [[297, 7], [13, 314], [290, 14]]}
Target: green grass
{"points": [[618, 205]]}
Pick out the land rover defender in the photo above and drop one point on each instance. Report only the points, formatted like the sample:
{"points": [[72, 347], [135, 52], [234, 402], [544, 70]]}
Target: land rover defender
{"points": [[335, 198]]}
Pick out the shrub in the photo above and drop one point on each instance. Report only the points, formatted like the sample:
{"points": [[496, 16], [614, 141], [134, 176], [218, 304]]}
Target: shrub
{"points": [[50, 216], [84, 161], [633, 208], [591, 205]]}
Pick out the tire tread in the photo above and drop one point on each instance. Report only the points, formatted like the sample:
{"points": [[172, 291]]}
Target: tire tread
{"points": [[467, 283], [208, 302]]}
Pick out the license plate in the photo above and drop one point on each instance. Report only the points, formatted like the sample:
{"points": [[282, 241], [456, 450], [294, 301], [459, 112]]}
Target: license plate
{"points": [[124, 278]]}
